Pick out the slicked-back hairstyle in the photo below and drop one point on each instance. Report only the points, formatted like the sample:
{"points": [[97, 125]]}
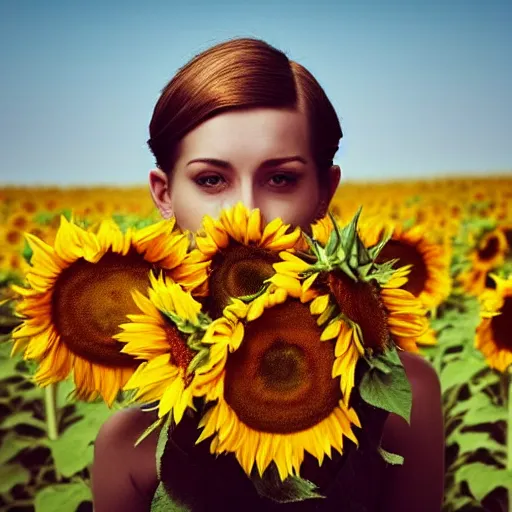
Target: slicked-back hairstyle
{"points": [[239, 74]]}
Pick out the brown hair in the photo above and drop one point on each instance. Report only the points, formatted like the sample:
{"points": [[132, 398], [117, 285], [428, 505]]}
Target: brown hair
{"points": [[237, 74]]}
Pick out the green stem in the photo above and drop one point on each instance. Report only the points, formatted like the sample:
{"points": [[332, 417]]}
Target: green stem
{"points": [[50, 405]]}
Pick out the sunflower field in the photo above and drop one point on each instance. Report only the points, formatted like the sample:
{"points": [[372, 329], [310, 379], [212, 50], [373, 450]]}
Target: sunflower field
{"points": [[455, 233]]}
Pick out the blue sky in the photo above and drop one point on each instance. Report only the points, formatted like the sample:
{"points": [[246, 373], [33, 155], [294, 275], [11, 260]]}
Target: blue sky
{"points": [[421, 88]]}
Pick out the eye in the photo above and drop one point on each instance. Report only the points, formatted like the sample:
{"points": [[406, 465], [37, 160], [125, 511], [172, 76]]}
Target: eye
{"points": [[282, 180], [210, 181]]}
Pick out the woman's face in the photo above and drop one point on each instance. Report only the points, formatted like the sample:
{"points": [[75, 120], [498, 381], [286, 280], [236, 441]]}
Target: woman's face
{"points": [[259, 156]]}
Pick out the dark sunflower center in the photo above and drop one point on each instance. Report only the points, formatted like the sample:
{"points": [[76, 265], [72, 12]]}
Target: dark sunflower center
{"points": [[279, 380], [490, 249], [283, 365], [91, 300], [489, 282], [407, 254], [501, 326], [181, 354], [20, 222], [237, 271], [29, 207], [14, 237], [361, 302], [508, 235]]}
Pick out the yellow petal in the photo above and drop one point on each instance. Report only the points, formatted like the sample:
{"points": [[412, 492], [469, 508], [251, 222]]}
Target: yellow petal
{"points": [[291, 285], [319, 305], [331, 331]]}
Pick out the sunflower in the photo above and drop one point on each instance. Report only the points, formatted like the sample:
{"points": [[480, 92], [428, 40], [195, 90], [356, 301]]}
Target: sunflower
{"points": [[490, 251], [506, 229], [19, 220], [362, 303], [79, 294], [273, 395], [474, 281], [429, 278], [241, 250], [167, 335], [493, 332], [10, 238]]}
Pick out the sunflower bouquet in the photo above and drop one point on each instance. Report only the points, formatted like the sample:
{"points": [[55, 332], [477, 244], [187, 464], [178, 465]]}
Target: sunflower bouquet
{"points": [[279, 346]]}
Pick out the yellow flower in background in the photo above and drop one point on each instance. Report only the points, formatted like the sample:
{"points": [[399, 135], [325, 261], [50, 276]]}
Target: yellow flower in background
{"points": [[79, 294], [19, 220], [493, 334], [473, 281], [272, 391], [11, 238], [158, 334], [490, 251], [241, 249]]}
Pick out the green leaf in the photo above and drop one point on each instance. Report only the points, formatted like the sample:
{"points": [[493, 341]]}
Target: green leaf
{"points": [[488, 414], [363, 255], [200, 359], [457, 502], [388, 391], [475, 402], [13, 444], [333, 241], [292, 490], [162, 502], [163, 438], [349, 233], [62, 497], [64, 392], [22, 418], [11, 475], [73, 450], [391, 458], [490, 378], [148, 431], [379, 364], [376, 249], [482, 478], [470, 442], [459, 372]]}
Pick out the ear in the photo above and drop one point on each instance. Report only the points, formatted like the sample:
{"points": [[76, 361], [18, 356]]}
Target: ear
{"points": [[334, 181], [160, 189]]}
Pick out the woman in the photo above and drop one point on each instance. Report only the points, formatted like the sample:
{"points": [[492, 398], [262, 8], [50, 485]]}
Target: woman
{"points": [[241, 122]]}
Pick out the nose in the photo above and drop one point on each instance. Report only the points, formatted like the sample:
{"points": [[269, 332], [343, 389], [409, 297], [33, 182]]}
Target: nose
{"points": [[247, 195], [243, 193]]}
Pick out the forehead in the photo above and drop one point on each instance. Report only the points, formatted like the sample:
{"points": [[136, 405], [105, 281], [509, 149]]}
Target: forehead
{"points": [[261, 131]]}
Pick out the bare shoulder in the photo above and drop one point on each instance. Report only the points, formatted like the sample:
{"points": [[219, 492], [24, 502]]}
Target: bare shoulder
{"points": [[124, 476], [419, 483], [420, 371]]}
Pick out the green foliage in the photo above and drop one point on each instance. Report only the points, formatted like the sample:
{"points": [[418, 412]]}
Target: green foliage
{"points": [[62, 497], [385, 385], [481, 478], [293, 489], [474, 397], [162, 502], [475, 409], [11, 475], [23, 432]]}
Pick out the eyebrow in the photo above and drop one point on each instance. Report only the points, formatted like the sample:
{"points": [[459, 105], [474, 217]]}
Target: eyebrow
{"points": [[273, 162]]}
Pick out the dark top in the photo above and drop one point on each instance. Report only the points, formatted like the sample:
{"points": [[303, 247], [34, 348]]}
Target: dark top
{"points": [[352, 482]]}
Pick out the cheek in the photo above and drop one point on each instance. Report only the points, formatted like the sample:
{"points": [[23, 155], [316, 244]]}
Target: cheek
{"points": [[188, 212], [298, 209], [190, 206]]}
